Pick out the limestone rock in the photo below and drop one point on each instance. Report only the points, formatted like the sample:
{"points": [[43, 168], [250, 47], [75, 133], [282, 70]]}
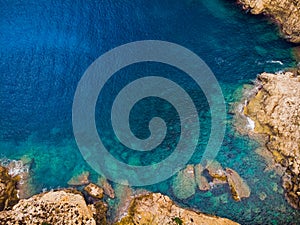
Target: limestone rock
{"points": [[239, 188], [276, 112], [20, 170], [79, 180], [8, 189], [59, 207], [156, 209], [99, 210], [94, 190], [285, 12], [216, 171]]}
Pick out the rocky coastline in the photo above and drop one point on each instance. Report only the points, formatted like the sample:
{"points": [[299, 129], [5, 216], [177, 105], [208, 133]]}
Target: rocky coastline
{"points": [[89, 205], [286, 13], [275, 110]]}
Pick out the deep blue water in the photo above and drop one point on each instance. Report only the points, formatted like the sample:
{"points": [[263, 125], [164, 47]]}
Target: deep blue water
{"points": [[47, 45]]}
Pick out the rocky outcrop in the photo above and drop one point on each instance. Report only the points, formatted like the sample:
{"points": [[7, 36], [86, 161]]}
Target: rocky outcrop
{"points": [[94, 191], [8, 189], [285, 12], [187, 180], [59, 207], [154, 209], [275, 109], [19, 170], [239, 188]]}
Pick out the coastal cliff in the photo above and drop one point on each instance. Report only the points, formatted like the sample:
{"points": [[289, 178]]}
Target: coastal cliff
{"points": [[275, 110], [285, 12]]}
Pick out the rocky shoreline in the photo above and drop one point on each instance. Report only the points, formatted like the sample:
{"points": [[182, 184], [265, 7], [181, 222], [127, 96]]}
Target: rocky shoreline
{"points": [[275, 110], [286, 13], [88, 206]]}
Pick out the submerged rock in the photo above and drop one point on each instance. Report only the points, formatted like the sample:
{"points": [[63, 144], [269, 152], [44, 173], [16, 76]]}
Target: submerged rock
{"points": [[107, 188], [239, 188], [59, 207], [285, 12], [186, 181], [184, 184], [262, 196], [155, 209], [201, 180], [79, 180]]}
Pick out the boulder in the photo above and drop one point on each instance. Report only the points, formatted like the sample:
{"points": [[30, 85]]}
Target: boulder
{"points": [[215, 170], [239, 188], [94, 191]]}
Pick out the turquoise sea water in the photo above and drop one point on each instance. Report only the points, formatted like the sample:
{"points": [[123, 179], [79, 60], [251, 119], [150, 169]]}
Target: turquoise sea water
{"points": [[47, 45]]}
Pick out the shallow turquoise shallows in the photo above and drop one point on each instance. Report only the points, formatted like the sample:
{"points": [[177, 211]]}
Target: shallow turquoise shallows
{"points": [[46, 46]]}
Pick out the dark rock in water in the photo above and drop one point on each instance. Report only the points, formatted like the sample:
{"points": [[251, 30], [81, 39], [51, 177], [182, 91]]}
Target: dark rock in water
{"points": [[8, 189]]}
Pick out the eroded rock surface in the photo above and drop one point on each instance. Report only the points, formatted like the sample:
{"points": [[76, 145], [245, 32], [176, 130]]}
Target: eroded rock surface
{"points": [[285, 12], [8, 189], [59, 207], [276, 112], [94, 190], [156, 209]]}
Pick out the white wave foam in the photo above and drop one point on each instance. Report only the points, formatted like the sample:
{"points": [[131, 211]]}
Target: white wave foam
{"points": [[251, 123], [275, 62], [15, 167]]}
